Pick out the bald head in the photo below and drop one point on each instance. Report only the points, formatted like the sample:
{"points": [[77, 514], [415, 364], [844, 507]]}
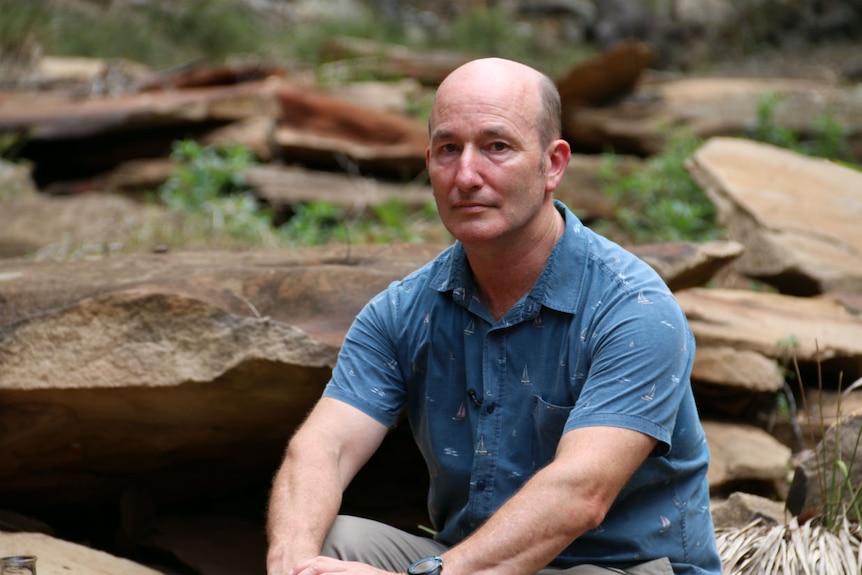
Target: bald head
{"points": [[524, 88]]}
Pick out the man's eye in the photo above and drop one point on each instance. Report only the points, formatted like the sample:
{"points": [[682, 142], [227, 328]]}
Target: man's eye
{"points": [[499, 146], [448, 148]]}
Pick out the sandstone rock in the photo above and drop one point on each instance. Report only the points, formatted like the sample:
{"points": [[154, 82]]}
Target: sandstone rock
{"points": [[65, 226], [711, 106], [606, 77], [59, 116], [687, 264], [317, 128], [58, 557], [226, 74], [851, 301], [777, 326], [823, 408], [734, 382], [797, 216], [744, 454], [73, 139], [741, 509], [282, 186], [397, 96], [136, 175], [737, 368], [149, 369], [15, 180], [254, 132], [392, 60], [83, 75]]}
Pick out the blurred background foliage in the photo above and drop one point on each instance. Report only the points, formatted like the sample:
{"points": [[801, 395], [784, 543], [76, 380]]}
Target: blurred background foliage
{"points": [[659, 202], [165, 34]]}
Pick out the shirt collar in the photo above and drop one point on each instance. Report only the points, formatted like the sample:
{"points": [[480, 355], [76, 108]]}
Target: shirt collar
{"points": [[558, 287]]}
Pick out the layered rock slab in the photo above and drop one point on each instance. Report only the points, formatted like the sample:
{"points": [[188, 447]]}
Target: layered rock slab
{"points": [[182, 371], [797, 216]]}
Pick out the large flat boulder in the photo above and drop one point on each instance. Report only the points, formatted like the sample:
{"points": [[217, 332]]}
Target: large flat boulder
{"points": [[797, 216], [57, 557], [185, 372], [69, 138], [813, 330], [744, 454]]}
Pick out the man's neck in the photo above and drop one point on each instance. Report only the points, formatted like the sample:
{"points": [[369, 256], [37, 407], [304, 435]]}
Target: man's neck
{"points": [[505, 275]]}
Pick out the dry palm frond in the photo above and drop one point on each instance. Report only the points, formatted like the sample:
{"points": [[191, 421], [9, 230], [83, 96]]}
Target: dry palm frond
{"points": [[807, 549]]}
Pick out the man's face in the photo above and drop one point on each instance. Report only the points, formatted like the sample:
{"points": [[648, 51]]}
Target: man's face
{"points": [[485, 161]]}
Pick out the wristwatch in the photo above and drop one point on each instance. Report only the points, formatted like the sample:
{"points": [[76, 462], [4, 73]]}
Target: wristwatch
{"points": [[426, 566]]}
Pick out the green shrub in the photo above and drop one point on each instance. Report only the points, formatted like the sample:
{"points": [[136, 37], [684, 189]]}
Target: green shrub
{"points": [[19, 22], [660, 201], [209, 190], [827, 140], [208, 187]]}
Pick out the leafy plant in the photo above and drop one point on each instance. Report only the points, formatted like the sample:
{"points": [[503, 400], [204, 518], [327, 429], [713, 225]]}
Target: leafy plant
{"points": [[209, 187], [828, 139], [204, 173], [20, 20], [315, 223], [766, 130], [660, 201], [209, 190]]}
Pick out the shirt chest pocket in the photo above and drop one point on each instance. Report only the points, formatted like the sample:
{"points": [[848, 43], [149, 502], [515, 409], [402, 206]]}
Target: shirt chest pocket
{"points": [[548, 423]]}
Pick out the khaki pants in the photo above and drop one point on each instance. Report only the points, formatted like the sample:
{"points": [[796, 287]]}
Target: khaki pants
{"points": [[385, 547]]}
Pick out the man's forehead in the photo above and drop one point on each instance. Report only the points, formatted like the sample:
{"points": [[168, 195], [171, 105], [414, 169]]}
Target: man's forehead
{"points": [[452, 130]]}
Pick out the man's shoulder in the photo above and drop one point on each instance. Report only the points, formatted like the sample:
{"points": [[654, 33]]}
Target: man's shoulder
{"points": [[614, 256]]}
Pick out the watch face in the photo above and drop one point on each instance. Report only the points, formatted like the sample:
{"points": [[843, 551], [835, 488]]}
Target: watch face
{"points": [[426, 565]]}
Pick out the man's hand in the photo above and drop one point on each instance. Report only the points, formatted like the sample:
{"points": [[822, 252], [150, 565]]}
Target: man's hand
{"points": [[277, 562], [322, 565]]}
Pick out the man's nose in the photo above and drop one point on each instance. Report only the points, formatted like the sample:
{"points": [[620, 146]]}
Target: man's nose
{"points": [[468, 169]]}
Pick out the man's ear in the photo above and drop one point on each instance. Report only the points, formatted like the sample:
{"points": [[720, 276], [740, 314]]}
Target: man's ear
{"points": [[559, 154]]}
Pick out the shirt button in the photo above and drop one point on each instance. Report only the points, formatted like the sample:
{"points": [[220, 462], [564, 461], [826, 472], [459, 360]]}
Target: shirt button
{"points": [[490, 408], [480, 485]]}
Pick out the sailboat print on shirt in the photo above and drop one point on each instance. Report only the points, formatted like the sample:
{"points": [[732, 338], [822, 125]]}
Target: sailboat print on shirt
{"points": [[642, 299], [650, 395], [471, 328], [525, 377], [462, 413], [480, 447]]}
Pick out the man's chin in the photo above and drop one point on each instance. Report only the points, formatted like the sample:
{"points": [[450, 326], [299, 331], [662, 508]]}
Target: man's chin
{"points": [[474, 233]]}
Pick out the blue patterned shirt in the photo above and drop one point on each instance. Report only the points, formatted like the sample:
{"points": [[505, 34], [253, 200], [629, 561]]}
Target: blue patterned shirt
{"points": [[598, 341]]}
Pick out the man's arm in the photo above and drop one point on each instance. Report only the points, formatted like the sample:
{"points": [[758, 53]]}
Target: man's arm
{"points": [[568, 497], [324, 455]]}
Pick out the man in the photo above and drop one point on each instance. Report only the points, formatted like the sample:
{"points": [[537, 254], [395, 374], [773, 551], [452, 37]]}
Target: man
{"points": [[543, 369]]}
